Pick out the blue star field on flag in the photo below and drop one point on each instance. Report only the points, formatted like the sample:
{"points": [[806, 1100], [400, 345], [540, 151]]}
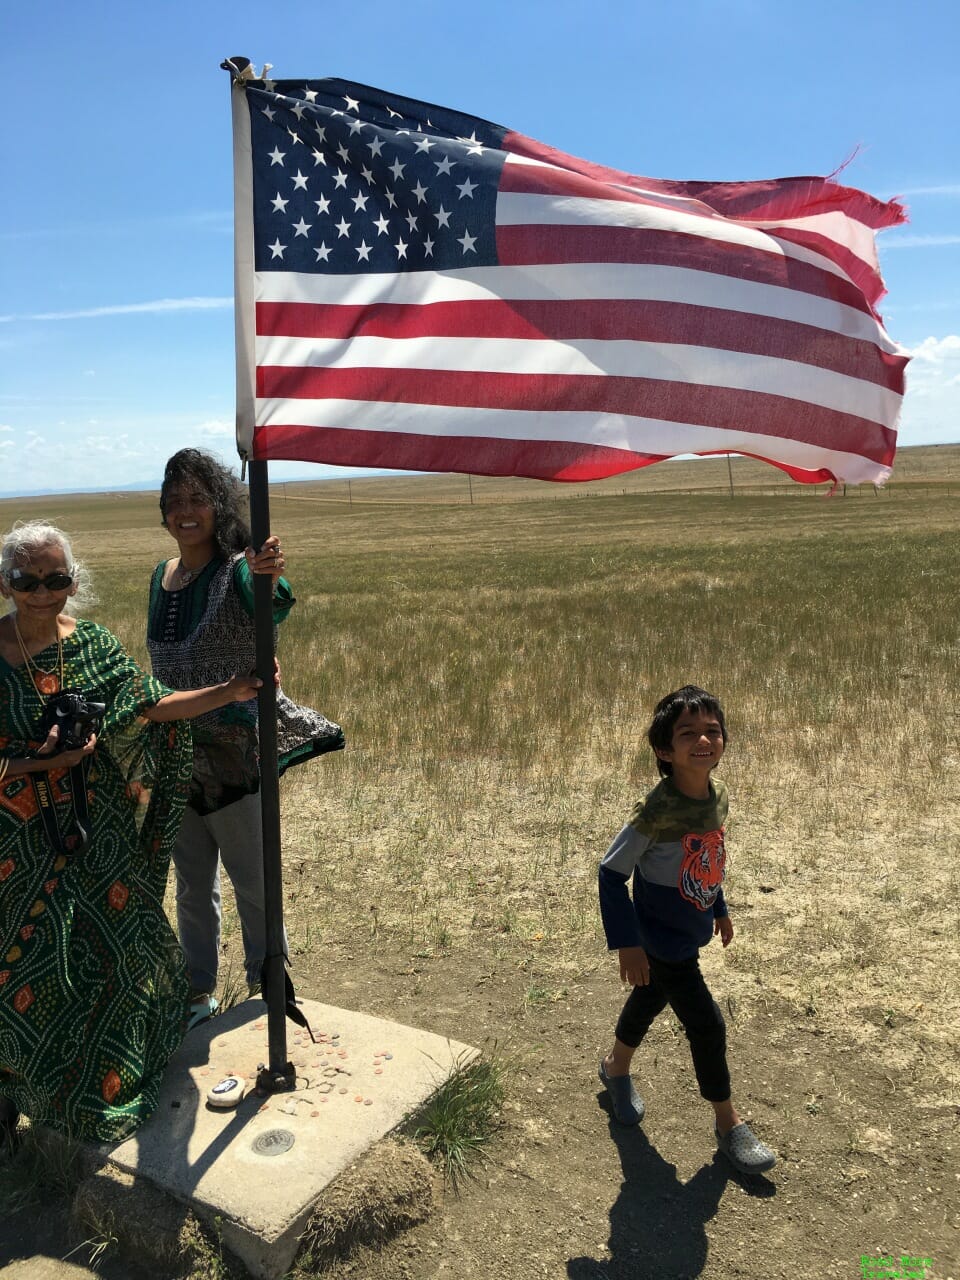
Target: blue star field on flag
{"points": [[348, 179]]}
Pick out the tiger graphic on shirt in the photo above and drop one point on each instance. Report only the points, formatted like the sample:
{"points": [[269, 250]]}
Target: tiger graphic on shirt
{"points": [[701, 872]]}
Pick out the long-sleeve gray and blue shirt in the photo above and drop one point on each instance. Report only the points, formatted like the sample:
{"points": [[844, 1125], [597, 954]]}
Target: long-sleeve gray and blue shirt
{"points": [[672, 847]]}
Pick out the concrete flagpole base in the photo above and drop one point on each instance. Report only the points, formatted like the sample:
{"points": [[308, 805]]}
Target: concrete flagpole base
{"points": [[257, 1172]]}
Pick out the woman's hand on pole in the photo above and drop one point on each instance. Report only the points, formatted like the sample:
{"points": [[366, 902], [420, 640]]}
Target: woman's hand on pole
{"points": [[242, 688], [269, 559]]}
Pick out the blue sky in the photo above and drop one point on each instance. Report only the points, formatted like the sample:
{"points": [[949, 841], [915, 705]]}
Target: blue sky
{"points": [[116, 338]]}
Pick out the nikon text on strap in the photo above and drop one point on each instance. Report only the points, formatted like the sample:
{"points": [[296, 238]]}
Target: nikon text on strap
{"points": [[48, 809]]}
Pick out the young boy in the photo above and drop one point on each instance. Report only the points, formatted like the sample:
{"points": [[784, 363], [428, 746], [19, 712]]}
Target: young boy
{"points": [[673, 848]]}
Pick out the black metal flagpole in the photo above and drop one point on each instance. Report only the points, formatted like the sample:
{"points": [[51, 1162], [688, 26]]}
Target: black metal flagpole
{"points": [[279, 1072]]}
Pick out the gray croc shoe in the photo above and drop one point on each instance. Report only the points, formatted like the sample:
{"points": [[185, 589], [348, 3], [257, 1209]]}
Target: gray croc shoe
{"points": [[745, 1151], [626, 1103]]}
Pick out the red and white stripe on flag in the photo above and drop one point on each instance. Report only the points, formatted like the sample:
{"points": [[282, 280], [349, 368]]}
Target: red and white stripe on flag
{"points": [[617, 322]]}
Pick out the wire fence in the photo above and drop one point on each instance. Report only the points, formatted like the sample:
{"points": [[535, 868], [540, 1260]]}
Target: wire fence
{"points": [[474, 494]]}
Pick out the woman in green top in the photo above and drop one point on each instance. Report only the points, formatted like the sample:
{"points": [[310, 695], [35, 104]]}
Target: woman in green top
{"points": [[93, 994], [200, 622]]}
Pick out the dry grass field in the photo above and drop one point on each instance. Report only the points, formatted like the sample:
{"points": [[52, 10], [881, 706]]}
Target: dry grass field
{"points": [[494, 664]]}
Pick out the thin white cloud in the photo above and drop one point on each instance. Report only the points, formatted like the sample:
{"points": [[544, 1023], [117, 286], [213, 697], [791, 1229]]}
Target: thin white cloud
{"points": [[939, 304], [916, 242], [115, 446], [218, 220], [216, 427], [159, 306], [5, 427], [18, 401], [947, 189]]}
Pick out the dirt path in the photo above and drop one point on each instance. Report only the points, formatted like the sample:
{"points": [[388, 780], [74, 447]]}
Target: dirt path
{"points": [[864, 1170], [568, 1192]]}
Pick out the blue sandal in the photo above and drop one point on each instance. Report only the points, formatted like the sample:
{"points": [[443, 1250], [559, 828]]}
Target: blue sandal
{"points": [[202, 1008], [625, 1102]]}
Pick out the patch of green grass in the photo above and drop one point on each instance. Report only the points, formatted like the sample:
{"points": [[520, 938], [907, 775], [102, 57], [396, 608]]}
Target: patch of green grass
{"points": [[457, 1123], [233, 988], [97, 1245], [41, 1166], [538, 994], [202, 1253]]}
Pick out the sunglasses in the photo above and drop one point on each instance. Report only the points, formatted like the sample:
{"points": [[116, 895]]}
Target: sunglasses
{"points": [[29, 582]]}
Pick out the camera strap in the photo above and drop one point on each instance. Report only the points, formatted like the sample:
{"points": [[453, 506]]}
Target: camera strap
{"points": [[48, 809]]}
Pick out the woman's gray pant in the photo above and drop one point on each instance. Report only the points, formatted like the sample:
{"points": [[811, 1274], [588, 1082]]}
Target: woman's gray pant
{"points": [[234, 837]]}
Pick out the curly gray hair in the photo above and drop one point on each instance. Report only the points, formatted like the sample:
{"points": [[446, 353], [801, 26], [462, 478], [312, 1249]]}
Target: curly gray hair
{"points": [[29, 536]]}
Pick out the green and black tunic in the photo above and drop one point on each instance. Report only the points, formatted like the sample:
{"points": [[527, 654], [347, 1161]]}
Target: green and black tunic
{"points": [[203, 634]]}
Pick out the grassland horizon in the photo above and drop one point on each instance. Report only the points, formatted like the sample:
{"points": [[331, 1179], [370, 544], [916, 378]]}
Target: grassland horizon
{"points": [[494, 666], [933, 465]]}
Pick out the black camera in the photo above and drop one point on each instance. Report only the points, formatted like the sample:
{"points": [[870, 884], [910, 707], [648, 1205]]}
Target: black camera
{"points": [[75, 717]]}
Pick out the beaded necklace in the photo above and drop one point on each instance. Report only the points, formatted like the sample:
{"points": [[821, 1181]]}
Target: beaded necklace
{"points": [[44, 682]]}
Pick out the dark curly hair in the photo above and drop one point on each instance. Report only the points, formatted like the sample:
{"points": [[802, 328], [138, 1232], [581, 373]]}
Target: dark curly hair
{"points": [[196, 469], [669, 710]]}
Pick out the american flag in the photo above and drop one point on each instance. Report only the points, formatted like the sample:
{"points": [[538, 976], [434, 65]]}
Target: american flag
{"points": [[421, 289]]}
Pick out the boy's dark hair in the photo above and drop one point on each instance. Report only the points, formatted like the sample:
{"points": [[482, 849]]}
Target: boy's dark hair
{"points": [[195, 469], [669, 710]]}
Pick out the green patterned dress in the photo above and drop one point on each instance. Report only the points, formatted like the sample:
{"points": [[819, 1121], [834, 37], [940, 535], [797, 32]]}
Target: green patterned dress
{"points": [[93, 992]]}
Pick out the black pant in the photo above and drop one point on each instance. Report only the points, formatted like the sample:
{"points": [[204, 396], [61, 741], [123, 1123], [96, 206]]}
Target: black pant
{"points": [[680, 984]]}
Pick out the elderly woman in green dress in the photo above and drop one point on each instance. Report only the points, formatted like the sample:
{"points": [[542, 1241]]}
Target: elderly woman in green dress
{"points": [[93, 993]]}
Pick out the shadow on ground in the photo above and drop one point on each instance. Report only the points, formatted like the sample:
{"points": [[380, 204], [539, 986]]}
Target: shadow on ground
{"points": [[658, 1223]]}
